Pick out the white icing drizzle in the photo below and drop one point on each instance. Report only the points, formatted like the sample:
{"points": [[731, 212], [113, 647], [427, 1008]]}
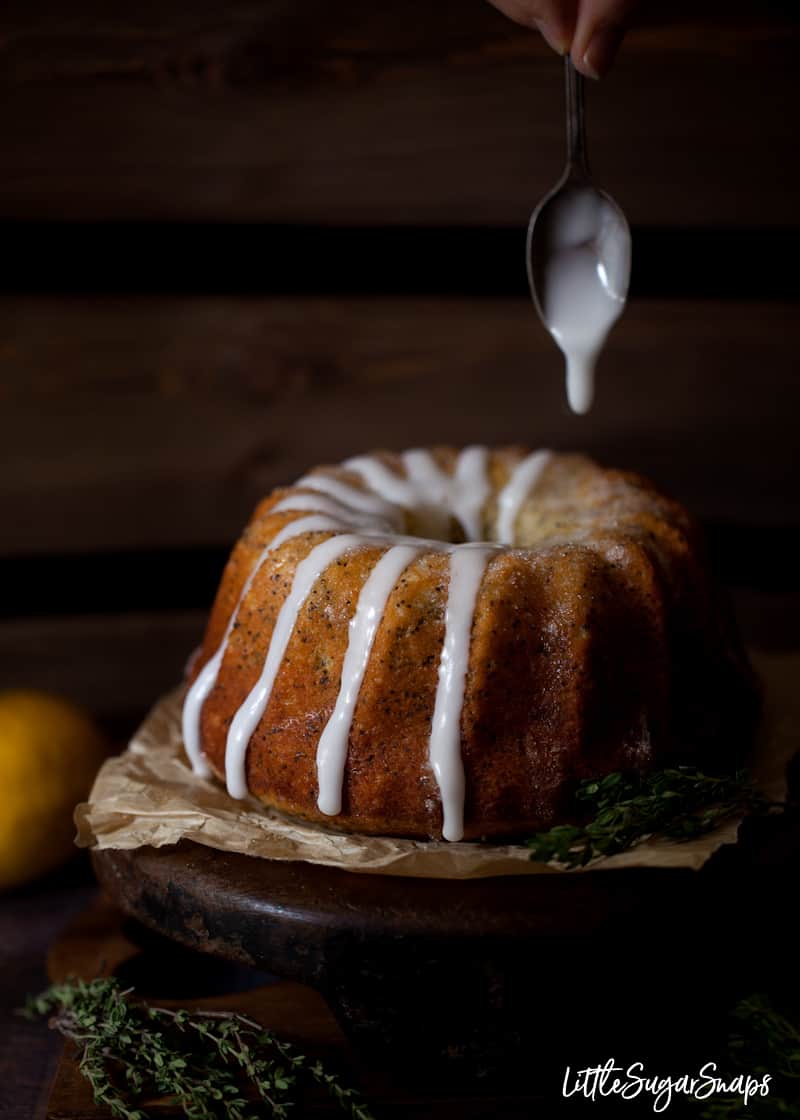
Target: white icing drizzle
{"points": [[352, 497], [321, 503], [246, 720], [207, 677], [471, 490], [467, 566], [381, 479], [332, 746], [372, 516], [426, 485], [512, 497]]}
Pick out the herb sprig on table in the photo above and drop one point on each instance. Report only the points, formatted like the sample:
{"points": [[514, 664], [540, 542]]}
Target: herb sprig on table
{"points": [[210, 1064], [762, 1041], [680, 804]]}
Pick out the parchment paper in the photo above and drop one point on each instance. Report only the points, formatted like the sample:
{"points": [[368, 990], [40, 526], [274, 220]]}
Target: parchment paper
{"points": [[149, 795]]}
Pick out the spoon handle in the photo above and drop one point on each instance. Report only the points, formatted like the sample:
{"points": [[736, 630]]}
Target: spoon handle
{"points": [[577, 160]]}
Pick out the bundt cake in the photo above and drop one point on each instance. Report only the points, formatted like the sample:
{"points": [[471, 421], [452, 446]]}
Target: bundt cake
{"points": [[442, 643]]}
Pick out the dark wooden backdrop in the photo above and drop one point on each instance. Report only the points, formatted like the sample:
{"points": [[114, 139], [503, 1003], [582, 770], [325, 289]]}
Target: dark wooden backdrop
{"points": [[242, 238]]}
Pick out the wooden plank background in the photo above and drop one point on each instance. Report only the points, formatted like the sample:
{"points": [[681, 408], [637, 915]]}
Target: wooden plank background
{"points": [[403, 112], [247, 237], [137, 423], [114, 664]]}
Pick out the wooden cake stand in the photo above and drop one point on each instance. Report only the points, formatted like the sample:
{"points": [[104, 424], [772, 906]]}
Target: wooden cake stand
{"points": [[469, 977]]}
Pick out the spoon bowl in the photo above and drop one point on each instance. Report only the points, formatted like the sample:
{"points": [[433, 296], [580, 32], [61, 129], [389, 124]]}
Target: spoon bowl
{"points": [[578, 258]]}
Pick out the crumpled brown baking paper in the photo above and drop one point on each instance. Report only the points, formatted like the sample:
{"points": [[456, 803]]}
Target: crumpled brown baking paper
{"points": [[149, 795]]}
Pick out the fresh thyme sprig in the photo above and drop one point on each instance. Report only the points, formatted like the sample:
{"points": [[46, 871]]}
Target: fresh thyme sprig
{"points": [[762, 1041], [679, 803], [210, 1064]]}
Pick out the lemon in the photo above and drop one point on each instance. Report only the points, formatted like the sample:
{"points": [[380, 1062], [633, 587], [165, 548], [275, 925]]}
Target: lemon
{"points": [[49, 753]]}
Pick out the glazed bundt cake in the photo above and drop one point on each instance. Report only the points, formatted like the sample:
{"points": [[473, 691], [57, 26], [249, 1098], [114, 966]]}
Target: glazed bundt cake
{"points": [[442, 643]]}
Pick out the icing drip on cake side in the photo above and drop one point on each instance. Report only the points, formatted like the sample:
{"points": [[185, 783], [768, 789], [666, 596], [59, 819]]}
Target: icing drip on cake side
{"points": [[467, 566], [249, 714], [332, 746], [207, 677]]}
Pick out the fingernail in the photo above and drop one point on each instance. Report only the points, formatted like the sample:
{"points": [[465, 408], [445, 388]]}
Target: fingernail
{"points": [[554, 37], [602, 48]]}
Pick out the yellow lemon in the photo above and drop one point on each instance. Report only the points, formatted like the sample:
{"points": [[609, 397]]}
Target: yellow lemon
{"points": [[49, 753]]}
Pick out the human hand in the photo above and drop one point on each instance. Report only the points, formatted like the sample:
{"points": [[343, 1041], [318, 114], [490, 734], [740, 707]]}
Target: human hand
{"points": [[589, 30]]}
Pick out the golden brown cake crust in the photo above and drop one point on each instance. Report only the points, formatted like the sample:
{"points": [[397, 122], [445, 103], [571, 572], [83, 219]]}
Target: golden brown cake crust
{"points": [[598, 643]]}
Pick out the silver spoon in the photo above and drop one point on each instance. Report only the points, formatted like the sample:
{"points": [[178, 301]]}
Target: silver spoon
{"points": [[579, 258]]}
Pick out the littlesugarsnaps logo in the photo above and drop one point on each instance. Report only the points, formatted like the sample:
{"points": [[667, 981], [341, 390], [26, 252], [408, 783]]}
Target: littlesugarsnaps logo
{"points": [[632, 1083]]}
